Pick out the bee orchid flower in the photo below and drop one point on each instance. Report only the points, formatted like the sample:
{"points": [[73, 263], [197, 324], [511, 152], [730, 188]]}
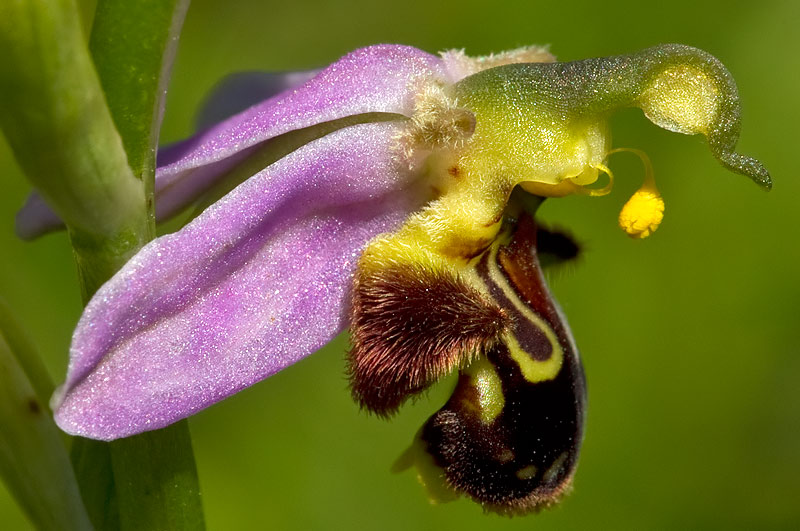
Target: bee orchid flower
{"points": [[391, 193]]}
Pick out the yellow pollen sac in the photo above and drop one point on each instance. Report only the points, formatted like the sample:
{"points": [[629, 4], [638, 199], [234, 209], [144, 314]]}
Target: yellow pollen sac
{"points": [[642, 214]]}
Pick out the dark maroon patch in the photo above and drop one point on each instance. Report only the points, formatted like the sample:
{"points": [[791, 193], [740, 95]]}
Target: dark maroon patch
{"points": [[525, 458], [555, 246], [519, 263]]}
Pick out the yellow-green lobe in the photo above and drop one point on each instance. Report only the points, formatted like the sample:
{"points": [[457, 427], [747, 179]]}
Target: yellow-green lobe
{"points": [[547, 122], [488, 388]]}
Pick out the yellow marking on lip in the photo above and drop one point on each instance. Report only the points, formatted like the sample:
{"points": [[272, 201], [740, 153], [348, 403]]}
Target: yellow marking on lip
{"points": [[489, 388], [533, 371], [527, 472], [429, 474], [555, 468]]}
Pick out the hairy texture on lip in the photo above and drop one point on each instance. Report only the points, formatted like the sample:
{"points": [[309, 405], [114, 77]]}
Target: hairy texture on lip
{"points": [[516, 453], [411, 326], [255, 283]]}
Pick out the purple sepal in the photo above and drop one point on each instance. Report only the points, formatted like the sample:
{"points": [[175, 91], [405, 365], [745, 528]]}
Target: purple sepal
{"points": [[378, 79], [241, 90], [255, 283], [36, 218]]}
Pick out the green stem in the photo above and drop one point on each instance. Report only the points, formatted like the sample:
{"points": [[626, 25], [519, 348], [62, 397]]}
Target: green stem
{"points": [[85, 129], [133, 45], [93, 470], [33, 459], [148, 481], [99, 257], [156, 480], [54, 115]]}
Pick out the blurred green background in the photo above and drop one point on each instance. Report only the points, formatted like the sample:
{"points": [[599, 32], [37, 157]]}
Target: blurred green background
{"points": [[689, 338]]}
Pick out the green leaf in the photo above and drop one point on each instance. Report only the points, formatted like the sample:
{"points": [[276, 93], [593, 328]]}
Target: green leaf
{"points": [[27, 358], [33, 459], [133, 45]]}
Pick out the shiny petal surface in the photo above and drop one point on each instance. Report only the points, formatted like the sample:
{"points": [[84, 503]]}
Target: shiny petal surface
{"points": [[377, 79], [255, 283], [241, 90]]}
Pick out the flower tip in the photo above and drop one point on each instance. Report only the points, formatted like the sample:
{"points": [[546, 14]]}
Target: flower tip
{"points": [[642, 214], [747, 166], [74, 420]]}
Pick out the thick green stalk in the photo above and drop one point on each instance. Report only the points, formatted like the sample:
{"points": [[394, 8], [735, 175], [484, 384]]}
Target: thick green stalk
{"points": [[54, 115], [133, 45], [156, 480], [99, 179], [147, 481], [33, 459]]}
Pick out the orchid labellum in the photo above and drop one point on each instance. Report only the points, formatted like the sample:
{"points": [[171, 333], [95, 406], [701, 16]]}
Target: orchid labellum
{"points": [[394, 193]]}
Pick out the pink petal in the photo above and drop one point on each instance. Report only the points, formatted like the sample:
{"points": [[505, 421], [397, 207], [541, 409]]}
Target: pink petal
{"points": [[241, 90], [258, 281], [377, 79]]}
